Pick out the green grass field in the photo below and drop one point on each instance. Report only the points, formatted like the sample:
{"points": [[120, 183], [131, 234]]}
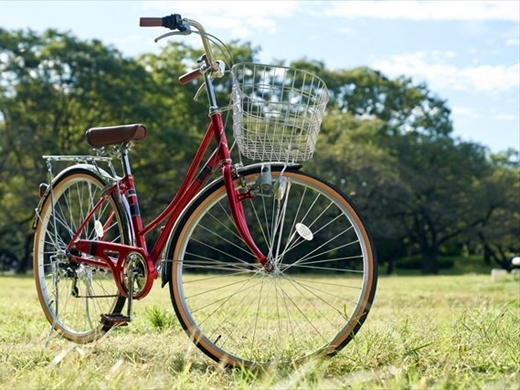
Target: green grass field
{"points": [[442, 332]]}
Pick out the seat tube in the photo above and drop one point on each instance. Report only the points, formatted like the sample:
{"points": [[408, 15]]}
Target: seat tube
{"points": [[131, 196]]}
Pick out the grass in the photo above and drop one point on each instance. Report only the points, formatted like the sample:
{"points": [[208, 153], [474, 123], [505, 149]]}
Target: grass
{"points": [[443, 332], [453, 265]]}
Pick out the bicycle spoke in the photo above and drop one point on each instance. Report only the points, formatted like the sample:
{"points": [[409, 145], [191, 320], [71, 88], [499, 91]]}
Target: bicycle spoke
{"points": [[313, 299], [74, 296]]}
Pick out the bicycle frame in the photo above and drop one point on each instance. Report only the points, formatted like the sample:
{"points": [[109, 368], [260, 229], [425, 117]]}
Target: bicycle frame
{"points": [[191, 185]]}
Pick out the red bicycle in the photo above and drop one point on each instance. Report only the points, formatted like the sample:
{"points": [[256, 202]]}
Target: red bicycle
{"points": [[265, 263]]}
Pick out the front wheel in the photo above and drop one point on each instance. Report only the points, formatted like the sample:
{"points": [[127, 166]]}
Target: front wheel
{"points": [[312, 302]]}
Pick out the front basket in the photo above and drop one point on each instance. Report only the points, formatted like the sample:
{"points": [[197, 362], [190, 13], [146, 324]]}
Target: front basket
{"points": [[277, 111]]}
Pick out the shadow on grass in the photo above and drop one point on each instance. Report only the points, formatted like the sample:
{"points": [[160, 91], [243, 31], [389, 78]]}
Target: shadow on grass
{"points": [[448, 265]]}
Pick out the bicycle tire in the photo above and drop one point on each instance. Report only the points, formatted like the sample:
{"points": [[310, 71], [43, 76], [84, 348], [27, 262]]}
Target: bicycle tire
{"points": [[74, 296], [312, 304]]}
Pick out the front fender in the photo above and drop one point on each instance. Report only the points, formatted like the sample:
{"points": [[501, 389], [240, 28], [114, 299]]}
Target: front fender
{"points": [[212, 186]]}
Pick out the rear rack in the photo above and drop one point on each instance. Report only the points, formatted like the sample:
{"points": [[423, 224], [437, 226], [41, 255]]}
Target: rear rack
{"points": [[81, 159]]}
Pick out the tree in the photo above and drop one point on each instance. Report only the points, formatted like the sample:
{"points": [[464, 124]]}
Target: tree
{"points": [[499, 234], [418, 187], [387, 142], [447, 193], [54, 87], [348, 154]]}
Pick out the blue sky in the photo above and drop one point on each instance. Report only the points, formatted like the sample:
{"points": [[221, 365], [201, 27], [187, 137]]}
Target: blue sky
{"points": [[468, 52]]}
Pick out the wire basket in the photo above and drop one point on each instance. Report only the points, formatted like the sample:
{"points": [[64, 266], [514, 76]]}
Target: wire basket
{"points": [[277, 111]]}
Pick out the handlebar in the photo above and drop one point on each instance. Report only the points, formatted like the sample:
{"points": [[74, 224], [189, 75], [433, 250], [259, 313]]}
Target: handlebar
{"points": [[173, 22], [176, 22]]}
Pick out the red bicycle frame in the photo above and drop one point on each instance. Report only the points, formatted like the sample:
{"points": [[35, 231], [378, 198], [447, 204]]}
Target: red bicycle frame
{"points": [[113, 255]]}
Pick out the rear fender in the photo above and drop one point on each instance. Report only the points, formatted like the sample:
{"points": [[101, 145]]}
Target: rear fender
{"points": [[103, 175]]}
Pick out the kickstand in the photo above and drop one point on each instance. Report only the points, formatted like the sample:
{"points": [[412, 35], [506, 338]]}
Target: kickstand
{"points": [[130, 295]]}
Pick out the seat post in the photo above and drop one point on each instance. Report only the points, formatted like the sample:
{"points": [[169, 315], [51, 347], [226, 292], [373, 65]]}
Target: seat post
{"points": [[125, 159]]}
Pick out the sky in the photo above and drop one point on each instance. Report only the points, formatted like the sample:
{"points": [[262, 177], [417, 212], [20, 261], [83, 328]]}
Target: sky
{"points": [[467, 52]]}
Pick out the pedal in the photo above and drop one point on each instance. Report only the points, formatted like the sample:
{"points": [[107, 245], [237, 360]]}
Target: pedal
{"points": [[114, 319]]}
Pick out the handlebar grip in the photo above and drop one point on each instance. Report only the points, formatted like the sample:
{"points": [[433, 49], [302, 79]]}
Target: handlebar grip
{"points": [[150, 22], [190, 76], [173, 22]]}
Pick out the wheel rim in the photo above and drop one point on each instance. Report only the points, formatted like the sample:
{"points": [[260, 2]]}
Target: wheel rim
{"points": [[313, 301], [73, 296]]}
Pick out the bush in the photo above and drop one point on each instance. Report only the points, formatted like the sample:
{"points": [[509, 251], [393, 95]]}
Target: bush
{"points": [[8, 260], [446, 262], [415, 262]]}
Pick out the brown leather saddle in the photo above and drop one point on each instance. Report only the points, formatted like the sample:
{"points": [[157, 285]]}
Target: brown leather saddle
{"points": [[115, 135]]}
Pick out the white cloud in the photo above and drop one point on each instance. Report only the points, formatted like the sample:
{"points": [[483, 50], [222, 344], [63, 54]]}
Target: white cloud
{"points": [[345, 30], [465, 113], [229, 8], [427, 10], [505, 117], [434, 68]]}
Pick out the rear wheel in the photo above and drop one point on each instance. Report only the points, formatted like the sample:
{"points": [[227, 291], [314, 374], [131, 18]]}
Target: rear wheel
{"points": [[312, 302], [73, 295]]}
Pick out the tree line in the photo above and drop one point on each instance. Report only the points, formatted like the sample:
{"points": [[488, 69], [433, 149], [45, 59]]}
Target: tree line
{"points": [[388, 143]]}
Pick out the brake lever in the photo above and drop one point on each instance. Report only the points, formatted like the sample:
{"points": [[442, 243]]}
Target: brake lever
{"points": [[171, 33], [219, 73]]}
